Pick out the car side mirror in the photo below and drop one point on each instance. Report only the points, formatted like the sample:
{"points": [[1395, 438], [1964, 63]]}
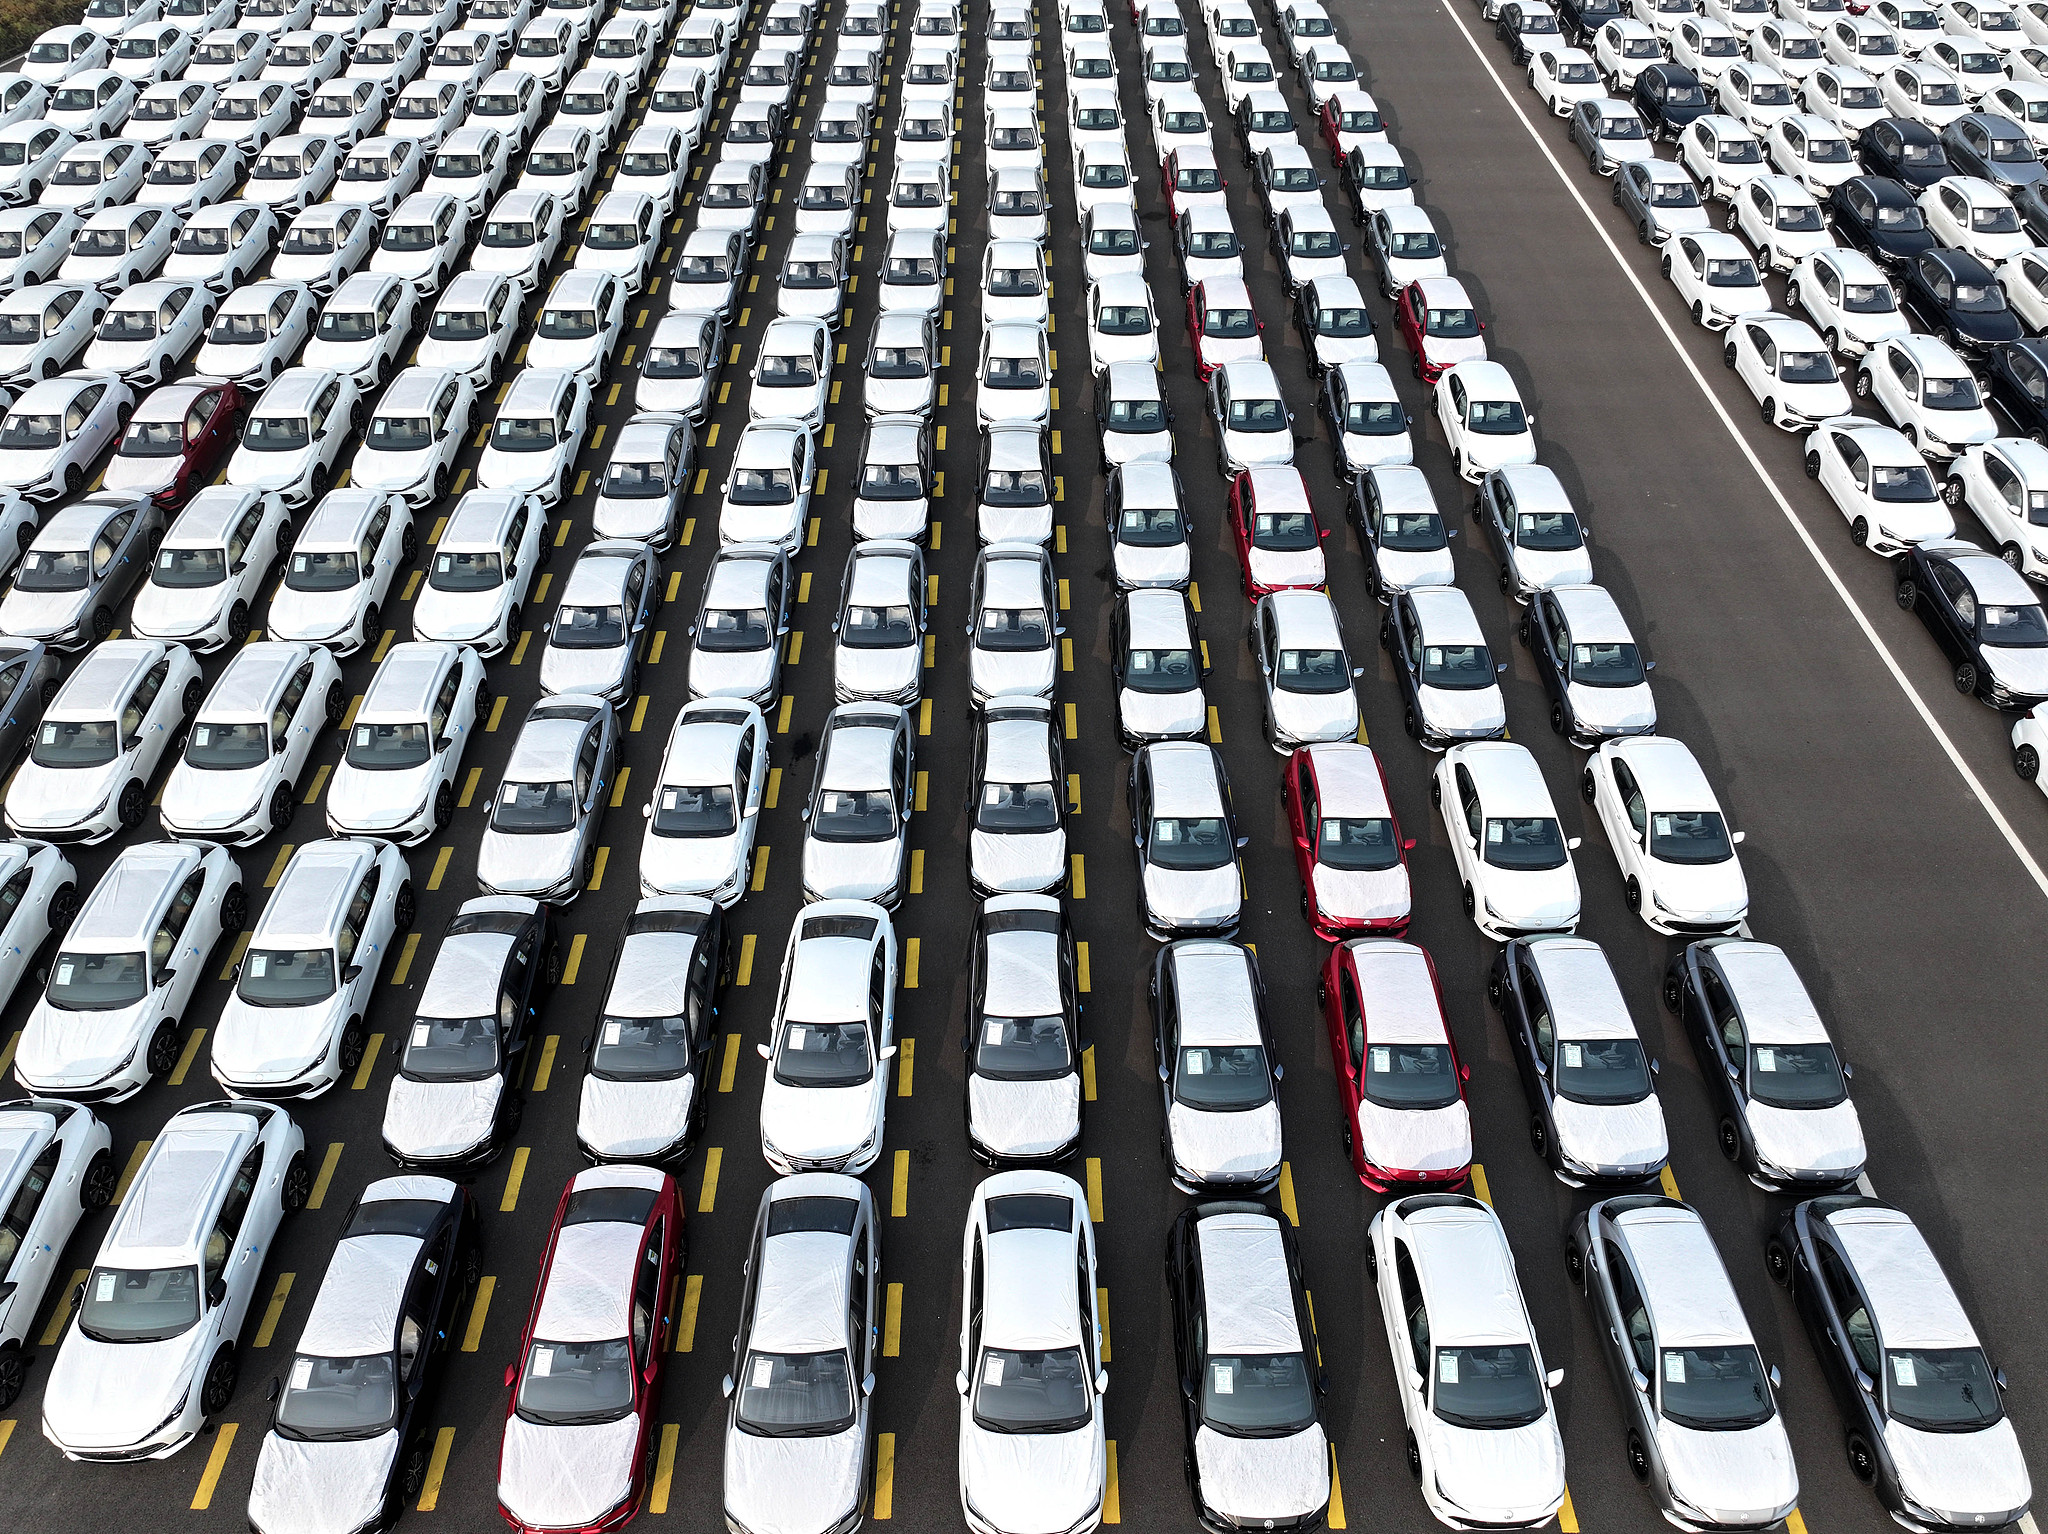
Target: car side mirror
{"points": [[1848, 1071], [1450, 532], [1102, 1382], [216, 1292], [350, 975], [1640, 1380], [647, 812], [960, 1381], [1656, 1066], [273, 1390], [1865, 1383], [1734, 1071], [1356, 671], [1500, 667], [1738, 837], [1778, 1380], [888, 1052], [1573, 843], [166, 977], [764, 1051], [1649, 665]]}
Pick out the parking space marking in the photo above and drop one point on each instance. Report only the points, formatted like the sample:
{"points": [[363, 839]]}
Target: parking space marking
{"points": [[192, 1043], [1073, 728], [899, 1186], [597, 867], [708, 1195], [62, 1314], [924, 717], [519, 649], [575, 960], [1480, 1190], [1102, 1318], [1095, 1189], [6, 1432], [731, 1065], [440, 867], [1335, 1516], [476, 774], [1112, 1502], [274, 1311], [319, 782], [1080, 876], [885, 1475], [216, 1462], [479, 1309], [1215, 726], [371, 1049], [686, 1317], [1567, 1515], [1073, 793], [1287, 1194], [546, 1068], [906, 1056], [284, 856], [1066, 647], [1081, 964], [497, 717], [437, 1467], [746, 969], [128, 1172], [910, 956], [619, 788], [923, 784], [514, 1176], [1668, 1183], [917, 871], [760, 879], [774, 789], [892, 1322], [782, 715], [639, 713], [664, 1468], [7, 1050], [326, 1175]]}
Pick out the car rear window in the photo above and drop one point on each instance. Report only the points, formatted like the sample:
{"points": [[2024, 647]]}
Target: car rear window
{"points": [[628, 1206], [833, 1216], [1030, 1211]]}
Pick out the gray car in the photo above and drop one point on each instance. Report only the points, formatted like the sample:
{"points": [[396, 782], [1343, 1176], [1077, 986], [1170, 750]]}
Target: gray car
{"points": [[856, 825], [647, 480], [598, 633], [681, 368], [542, 837], [1994, 147], [83, 562], [878, 649], [29, 675], [707, 274], [1660, 198], [736, 642], [898, 376]]}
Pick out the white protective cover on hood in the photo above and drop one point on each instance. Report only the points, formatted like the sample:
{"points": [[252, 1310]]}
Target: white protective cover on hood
{"points": [[1505, 1475], [356, 1310], [791, 1485], [1254, 1478], [1018, 862], [566, 1477], [1245, 1144], [1286, 567], [433, 1119], [1611, 1135], [1163, 713], [1465, 708], [320, 1488], [634, 1118], [2024, 670], [60, 1049], [1960, 1475], [1032, 1483], [1024, 1118], [1194, 897], [256, 1044], [1415, 1140], [1612, 709], [1753, 1464], [42, 614], [1808, 1139], [1362, 894]]}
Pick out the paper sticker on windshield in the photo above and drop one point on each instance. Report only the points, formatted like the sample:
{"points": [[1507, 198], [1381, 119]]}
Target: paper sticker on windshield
{"points": [[764, 1373], [992, 1033], [420, 1034], [1197, 1062], [302, 1373], [611, 1033], [1382, 1059], [1574, 1057], [992, 1371], [543, 1362], [797, 1037], [510, 794], [63, 974], [1447, 1368], [1766, 1059], [1674, 1368], [259, 966], [1226, 1379], [1904, 1371], [104, 1290]]}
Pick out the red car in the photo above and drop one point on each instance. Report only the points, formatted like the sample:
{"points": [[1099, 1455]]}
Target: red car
{"points": [[176, 440], [1222, 325], [1279, 540], [1406, 1126], [1347, 118], [1191, 178], [1347, 843], [1438, 322], [579, 1430]]}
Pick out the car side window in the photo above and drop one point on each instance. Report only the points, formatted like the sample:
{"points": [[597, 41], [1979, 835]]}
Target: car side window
{"points": [[1850, 1306], [357, 917], [288, 704], [586, 766], [1537, 1006], [878, 994], [1628, 1300], [1468, 798], [1631, 796], [2003, 480], [28, 1199], [109, 541], [1727, 1021], [444, 701], [1412, 1307], [220, 1241], [11, 894], [1311, 816], [647, 1292], [142, 700], [416, 1316], [1354, 1022]]}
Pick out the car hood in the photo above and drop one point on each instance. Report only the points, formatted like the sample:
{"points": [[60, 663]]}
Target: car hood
{"points": [[1406, 571], [176, 614], [514, 471], [1121, 447], [731, 673], [809, 303], [312, 615], [1278, 567], [213, 801], [1013, 524], [517, 865], [599, 671], [2022, 671], [792, 1485], [1024, 1118], [43, 614], [1031, 1483], [881, 672], [1415, 1139], [272, 1044], [1302, 716], [1002, 673], [897, 396], [1681, 220], [1027, 861], [1361, 894], [1961, 1476], [1192, 896], [1741, 1477], [269, 471], [320, 1488], [760, 524], [1256, 448], [1464, 710], [374, 801], [851, 870], [1704, 892], [687, 865], [682, 395], [1160, 715], [1487, 452], [1519, 1471], [1909, 522], [1137, 565], [645, 520], [62, 1049], [1217, 350], [566, 1477], [1612, 710], [24, 466], [105, 1395], [1540, 900], [390, 471], [817, 1123], [1335, 351], [1611, 1137], [890, 519], [634, 1118], [1248, 1479], [1808, 1139], [138, 475], [1546, 568], [50, 798], [1235, 1145], [459, 616], [432, 1120]]}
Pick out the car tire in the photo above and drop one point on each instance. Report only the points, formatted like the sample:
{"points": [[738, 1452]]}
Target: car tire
{"points": [[1966, 679], [238, 622], [50, 368], [404, 908], [1638, 1458], [1863, 383], [2026, 761], [1539, 1137], [163, 1049], [1470, 902], [444, 806], [483, 696], [1574, 1264], [1558, 723], [297, 1186], [383, 371], [195, 694], [355, 1039], [1699, 314], [1731, 223], [1859, 532], [1778, 1263], [336, 707], [281, 807], [1436, 791], [134, 800], [1411, 723], [373, 622], [1586, 785], [1673, 991], [234, 909], [412, 1478], [63, 907], [74, 479], [1614, 192], [102, 623], [13, 1374], [1764, 259], [219, 1387], [322, 478], [1665, 265], [441, 482], [1643, 232], [1831, 338], [1414, 1458], [1911, 433], [1769, 410], [1862, 1461], [1792, 295], [2012, 556], [1952, 491], [1729, 1138], [1813, 466], [409, 545]]}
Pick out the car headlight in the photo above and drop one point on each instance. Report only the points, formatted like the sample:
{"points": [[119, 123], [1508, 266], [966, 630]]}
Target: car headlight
{"points": [[1658, 901], [1895, 537], [2037, 554]]}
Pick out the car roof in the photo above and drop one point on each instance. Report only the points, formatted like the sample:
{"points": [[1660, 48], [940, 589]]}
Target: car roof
{"points": [[402, 687], [589, 1289], [1305, 618], [1021, 965], [517, 204], [1349, 781], [1670, 775], [356, 1309], [2028, 458], [599, 574], [481, 517], [1203, 218], [1184, 779], [248, 688], [306, 908], [1218, 1003], [1148, 484], [170, 1206], [255, 297], [414, 389], [1592, 615], [102, 679], [545, 750], [1467, 1275], [1585, 998], [1403, 488], [365, 289], [1776, 1008], [881, 574], [802, 1292], [1115, 288], [1398, 990], [1931, 354], [1157, 619], [1691, 1302], [1250, 379], [828, 970], [537, 389], [1446, 615], [1019, 746], [857, 747], [764, 445], [894, 439], [466, 972], [1535, 487], [1486, 379], [1246, 1286], [1030, 1302], [339, 519], [640, 440], [1994, 581], [737, 581], [1914, 1305], [1508, 779], [122, 910], [295, 389]]}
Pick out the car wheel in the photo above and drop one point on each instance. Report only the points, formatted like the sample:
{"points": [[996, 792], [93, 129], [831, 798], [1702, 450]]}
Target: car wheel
{"points": [[1643, 231], [1699, 314], [483, 696], [195, 694], [1470, 903], [1792, 294], [2012, 556], [74, 479], [219, 1388], [1729, 1138], [1952, 491], [1614, 192], [409, 545], [50, 368], [281, 807], [444, 806], [1859, 532], [2026, 761], [1665, 265], [1966, 679], [297, 1186], [102, 623], [1778, 1263], [322, 478], [13, 1375], [404, 908], [234, 909], [63, 907], [1574, 1264], [1586, 785], [1863, 383], [1638, 1458], [413, 1478], [1731, 223], [163, 1049], [1414, 1458], [354, 1039], [512, 624], [441, 482], [134, 799], [1764, 259], [1831, 338], [1813, 466], [1411, 723], [1673, 992], [1539, 1137], [25, 535], [383, 371], [1911, 433], [1862, 1462], [96, 1189], [238, 622], [1436, 791], [1769, 409], [337, 703]]}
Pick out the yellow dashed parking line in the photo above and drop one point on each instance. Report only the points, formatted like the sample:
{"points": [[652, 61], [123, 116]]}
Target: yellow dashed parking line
{"points": [[884, 1503], [745, 973], [274, 1312], [574, 963], [191, 1053], [372, 1047], [514, 1176], [479, 1309], [892, 1322], [708, 1195], [546, 1067], [216, 1462], [686, 1317], [899, 1186], [128, 1172], [326, 1176], [731, 1064], [440, 868], [437, 1467], [61, 1316], [910, 957], [1095, 1189], [664, 1469]]}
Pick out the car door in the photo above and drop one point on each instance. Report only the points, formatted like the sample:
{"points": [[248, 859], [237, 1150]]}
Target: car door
{"points": [[1843, 472], [1410, 1324], [1347, 1050], [1551, 640], [1471, 821], [289, 738], [1536, 1040], [1950, 611], [1723, 1039], [1847, 1342], [1627, 818], [360, 942], [231, 1263]]}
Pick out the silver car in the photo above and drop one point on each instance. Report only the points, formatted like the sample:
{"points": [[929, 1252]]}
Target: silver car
{"points": [[706, 278], [705, 810], [878, 650], [856, 825], [1017, 842], [542, 837], [1023, 1045], [1011, 652], [600, 630], [647, 480], [1405, 540], [1157, 664], [1185, 832], [736, 642], [893, 498], [1217, 1068], [1146, 511], [1304, 673], [1013, 500], [681, 368], [898, 375], [83, 561]]}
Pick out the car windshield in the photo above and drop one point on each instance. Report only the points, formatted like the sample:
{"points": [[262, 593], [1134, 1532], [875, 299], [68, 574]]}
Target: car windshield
{"points": [[1020, 204], [568, 324], [796, 370], [1957, 393], [1735, 272], [1105, 174], [1862, 97], [1941, 1390], [2012, 627], [1980, 298], [824, 1055], [566, 1383], [1606, 665], [1160, 671], [1017, 808], [674, 362], [897, 362], [588, 628], [1418, 532], [139, 1304], [891, 482], [1630, 127], [389, 747], [22, 430], [1257, 415], [1032, 1392], [749, 130], [1827, 151], [761, 487], [1602, 1071], [731, 629], [1740, 151], [1530, 842], [912, 271], [153, 439], [1192, 843], [1374, 418], [1183, 122], [1715, 1389], [59, 570], [227, 747], [1936, 93], [451, 1049], [878, 628], [1216, 245], [98, 982], [1869, 298], [304, 240], [333, 1399], [1260, 1396], [1013, 628], [1363, 843], [1547, 531], [795, 1395], [1023, 282], [1455, 323], [1806, 367], [1149, 527], [1285, 531], [523, 434], [534, 809], [1312, 671], [1410, 1077], [1360, 122], [1488, 1388], [1801, 218], [1904, 483], [854, 815], [825, 194], [400, 433], [357, 325], [1022, 1049], [239, 330], [1689, 836], [635, 481], [286, 977], [508, 234], [276, 433], [446, 325], [1498, 418], [1225, 1078], [1457, 667]]}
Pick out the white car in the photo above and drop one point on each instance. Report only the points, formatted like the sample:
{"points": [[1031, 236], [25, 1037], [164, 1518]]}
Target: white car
{"points": [[579, 327], [62, 52], [1716, 278], [918, 198], [1756, 95], [1813, 151], [1031, 1381], [1924, 92], [1788, 47], [1929, 393], [348, 109], [1971, 214], [825, 1092], [1510, 853], [1843, 96], [1217, 1072], [211, 568], [652, 163], [250, 114], [704, 814], [1336, 326], [257, 331], [52, 436], [185, 177], [2026, 103], [1779, 216], [826, 200], [29, 153], [339, 572], [546, 48], [1481, 413], [150, 1356], [1404, 244], [596, 99], [297, 1021], [621, 239], [1122, 326], [893, 498], [1250, 417], [682, 96], [98, 174], [538, 432], [324, 245], [1976, 65], [276, 17], [59, 1168], [599, 632], [1878, 481], [226, 54], [1787, 367], [472, 326], [305, 61], [81, 562], [856, 823], [430, 112], [1850, 300], [421, 422], [464, 58], [1011, 651], [1706, 46], [878, 651], [118, 247], [767, 498], [1017, 838], [127, 968], [1624, 48], [480, 571], [1452, 1306], [294, 172], [423, 241], [379, 173], [1679, 868], [647, 480], [92, 105], [33, 244], [396, 778], [813, 281], [363, 328], [2005, 486], [221, 246], [295, 434], [1305, 238], [513, 101], [1722, 154], [1304, 675], [251, 743], [521, 234], [564, 162]]}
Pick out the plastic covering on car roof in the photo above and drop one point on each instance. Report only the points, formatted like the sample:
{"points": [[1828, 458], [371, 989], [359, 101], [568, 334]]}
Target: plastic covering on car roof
{"points": [[1692, 1303], [1914, 1305], [1214, 988], [653, 975], [1776, 1008], [1585, 1000], [1245, 1285], [1021, 973], [590, 1283], [1467, 1277], [801, 1303], [1030, 1302], [171, 1200], [465, 976], [356, 1310]]}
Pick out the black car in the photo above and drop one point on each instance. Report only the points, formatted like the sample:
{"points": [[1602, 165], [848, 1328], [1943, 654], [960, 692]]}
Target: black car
{"points": [[1007, 1053], [1522, 27], [1395, 514], [1454, 662], [1994, 147], [1386, 244], [1270, 178], [409, 1260], [473, 1024], [1957, 296], [1878, 216], [1572, 1046], [1984, 615], [2016, 376], [1582, 18], [1904, 150], [1577, 643], [1217, 243], [1669, 96], [1872, 1296], [1265, 119], [1251, 1377]]}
